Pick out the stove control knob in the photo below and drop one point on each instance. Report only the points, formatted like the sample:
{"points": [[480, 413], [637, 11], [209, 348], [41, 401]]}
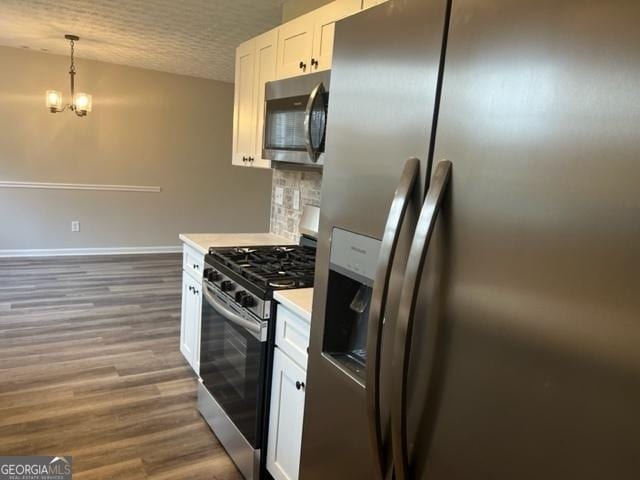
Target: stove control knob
{"points": [[227, 286], [247, 301], [206, 272], [212, 275]]}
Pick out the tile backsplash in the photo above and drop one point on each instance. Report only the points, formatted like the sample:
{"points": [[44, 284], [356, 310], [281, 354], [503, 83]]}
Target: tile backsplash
{"points": [[285, 218]]}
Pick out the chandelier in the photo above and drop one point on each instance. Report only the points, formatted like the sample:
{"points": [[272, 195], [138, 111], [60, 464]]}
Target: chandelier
{"points": [[80, 102]]}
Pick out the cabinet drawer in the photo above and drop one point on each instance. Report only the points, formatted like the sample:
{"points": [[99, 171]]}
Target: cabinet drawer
{"points": [[192, 262], [292, 335]]}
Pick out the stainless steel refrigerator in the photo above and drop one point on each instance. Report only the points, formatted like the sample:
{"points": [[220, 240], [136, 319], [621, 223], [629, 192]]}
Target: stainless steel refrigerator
{"points": [[484, 323]]}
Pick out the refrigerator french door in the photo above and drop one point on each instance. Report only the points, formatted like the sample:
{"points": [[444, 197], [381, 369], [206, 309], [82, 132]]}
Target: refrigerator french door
{"points": [[524, 358], [383, 99]]}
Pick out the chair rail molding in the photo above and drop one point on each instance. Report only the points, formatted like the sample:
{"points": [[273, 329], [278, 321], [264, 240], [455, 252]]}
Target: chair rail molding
{"points": [[80, 186]]}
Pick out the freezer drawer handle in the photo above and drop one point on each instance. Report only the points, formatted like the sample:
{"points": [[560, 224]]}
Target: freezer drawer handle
{"points": [[390, 238], [406, 312]]}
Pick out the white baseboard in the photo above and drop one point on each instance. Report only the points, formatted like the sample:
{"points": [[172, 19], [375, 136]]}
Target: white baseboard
{"points": [[58, 252]]}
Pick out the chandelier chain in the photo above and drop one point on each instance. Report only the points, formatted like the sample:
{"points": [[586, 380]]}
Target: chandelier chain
{"points": [[73, 66]]}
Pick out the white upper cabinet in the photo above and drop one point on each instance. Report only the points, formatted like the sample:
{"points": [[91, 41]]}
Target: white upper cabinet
{"points": [[371, 3], [324, 29], [244, 103], [295, 41], [265, 71], [305, 44], [255, 65]]}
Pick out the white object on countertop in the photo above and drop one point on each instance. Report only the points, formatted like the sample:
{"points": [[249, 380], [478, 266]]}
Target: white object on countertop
{"points": [[310, 221]]}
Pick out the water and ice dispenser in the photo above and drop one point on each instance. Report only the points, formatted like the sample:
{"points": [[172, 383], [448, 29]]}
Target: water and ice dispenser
{"points": [[352, 270]]}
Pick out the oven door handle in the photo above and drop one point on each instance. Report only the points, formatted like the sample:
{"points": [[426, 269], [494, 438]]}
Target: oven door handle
{"points": [[311, 150], [230, 315]]}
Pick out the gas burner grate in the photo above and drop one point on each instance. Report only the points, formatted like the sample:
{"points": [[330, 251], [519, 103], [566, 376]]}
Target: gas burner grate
{"points": [[279, 267]]}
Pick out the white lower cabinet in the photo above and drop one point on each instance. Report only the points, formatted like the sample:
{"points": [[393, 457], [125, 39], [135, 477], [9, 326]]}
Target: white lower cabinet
{"points": [[191, 312], [285, 421], [287, 395]]}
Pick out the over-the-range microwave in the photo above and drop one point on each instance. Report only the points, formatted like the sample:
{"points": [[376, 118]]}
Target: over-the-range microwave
{"points": [[295, 120]]}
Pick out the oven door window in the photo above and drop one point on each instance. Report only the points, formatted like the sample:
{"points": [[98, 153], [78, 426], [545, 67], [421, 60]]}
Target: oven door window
{"points": [[232, 367], [284, 124]]}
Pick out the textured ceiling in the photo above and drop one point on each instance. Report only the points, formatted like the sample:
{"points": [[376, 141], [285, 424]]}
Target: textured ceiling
{"points": [[189, 37]]}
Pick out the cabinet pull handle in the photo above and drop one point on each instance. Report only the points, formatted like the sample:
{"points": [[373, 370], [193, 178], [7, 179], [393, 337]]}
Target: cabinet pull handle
{"points": [[244, 159], [190, 288], [302, 65], [314, 63], [299, 385]]}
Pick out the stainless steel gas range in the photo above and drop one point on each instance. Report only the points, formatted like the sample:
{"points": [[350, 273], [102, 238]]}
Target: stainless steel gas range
{"points": [[236, 344]]}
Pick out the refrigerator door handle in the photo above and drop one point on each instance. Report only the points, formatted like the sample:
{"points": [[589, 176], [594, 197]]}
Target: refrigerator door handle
{"points": [[399, 205], [404, 329]]}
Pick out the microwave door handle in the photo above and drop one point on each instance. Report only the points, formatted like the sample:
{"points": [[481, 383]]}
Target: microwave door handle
{"points": [[406, 316], [311, 150], [231, 316], [390, 239]]}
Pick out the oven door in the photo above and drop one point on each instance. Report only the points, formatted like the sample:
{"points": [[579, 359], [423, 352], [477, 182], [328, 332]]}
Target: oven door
{"points": [[233, 351]]}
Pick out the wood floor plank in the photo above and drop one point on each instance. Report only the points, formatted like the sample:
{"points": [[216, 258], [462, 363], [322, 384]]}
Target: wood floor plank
{"points": [[90, 367]]}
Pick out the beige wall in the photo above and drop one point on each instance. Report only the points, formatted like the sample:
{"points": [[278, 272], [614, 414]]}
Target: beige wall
{"points": [[146, 128], [294, 8]]}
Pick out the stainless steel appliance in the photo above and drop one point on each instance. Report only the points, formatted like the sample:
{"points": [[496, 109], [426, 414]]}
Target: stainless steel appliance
{"points": [[504, 319], [237, 341], [296, 119]]}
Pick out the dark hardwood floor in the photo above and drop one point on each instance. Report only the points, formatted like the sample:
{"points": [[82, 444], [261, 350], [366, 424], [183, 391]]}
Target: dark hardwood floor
{"points": [[90, 366]]}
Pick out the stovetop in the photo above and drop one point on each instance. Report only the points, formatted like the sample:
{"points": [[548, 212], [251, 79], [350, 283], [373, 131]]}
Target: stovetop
{"points": [[270, 267]]}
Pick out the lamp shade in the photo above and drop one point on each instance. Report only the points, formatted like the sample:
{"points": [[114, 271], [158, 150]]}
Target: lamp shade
{"points": [[54, 99], [82, 102]]}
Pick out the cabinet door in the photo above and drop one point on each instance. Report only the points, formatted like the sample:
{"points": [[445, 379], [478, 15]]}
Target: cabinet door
{"points": [[371, 3], [190, 321], [285, 418], [295, 41], [244, 101], [265, 71], [323, 30]]}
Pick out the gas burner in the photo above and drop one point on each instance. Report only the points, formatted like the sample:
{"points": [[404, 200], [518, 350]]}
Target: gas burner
{"points": [[282, 283], [284, 249], [244, 250]]}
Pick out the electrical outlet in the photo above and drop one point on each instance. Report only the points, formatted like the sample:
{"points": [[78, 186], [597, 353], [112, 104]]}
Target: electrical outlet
{"points": [[279, 195], [75, 226], [296, 199]]}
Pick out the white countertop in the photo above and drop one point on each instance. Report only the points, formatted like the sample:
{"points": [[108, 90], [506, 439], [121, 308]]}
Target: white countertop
{"points": [[298, 300], [202, 241]]}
